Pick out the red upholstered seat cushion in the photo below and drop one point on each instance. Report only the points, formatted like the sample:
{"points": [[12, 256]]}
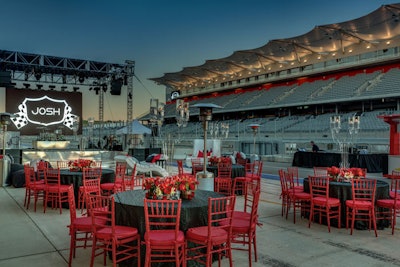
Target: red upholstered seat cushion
{"points": [[163, 237], [387, 203], [322, 201], [358, 204], [200, 234], [120, 232]]}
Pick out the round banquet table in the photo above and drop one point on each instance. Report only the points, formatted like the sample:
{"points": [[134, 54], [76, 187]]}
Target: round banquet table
{"points": [[75, 178], [129, 211], [237, 170], [343, 192]]}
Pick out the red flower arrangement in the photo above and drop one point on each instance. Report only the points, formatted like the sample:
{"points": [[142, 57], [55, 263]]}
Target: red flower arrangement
{"points": [[345, 174], [186, 184], [167, 188], [79, 164], [215, 160]]}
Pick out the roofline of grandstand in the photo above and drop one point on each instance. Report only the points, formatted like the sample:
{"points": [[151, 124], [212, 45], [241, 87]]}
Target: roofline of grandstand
{"points": [[324, 43]]}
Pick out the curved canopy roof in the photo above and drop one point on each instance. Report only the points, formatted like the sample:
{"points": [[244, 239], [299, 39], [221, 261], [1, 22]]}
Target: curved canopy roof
{"points": [[378, 29]]}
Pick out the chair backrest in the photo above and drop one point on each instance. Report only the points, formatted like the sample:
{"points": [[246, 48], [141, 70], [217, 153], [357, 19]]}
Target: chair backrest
{"points": [[91, 173], [220, 211], [129, 180], [258, 165], [138, 182], [223, 185], [295, 172], [30, 175], [197, 165], [241, 161], [41, 167], [180, 166], [319, 186], [98, 164], [120, 169], [320, 171], [249, 168], [395, 176], [71, 203], [162, 215], [363, 189], [52, 177], [282, 179], [91, 186], [62, 164], [289, 181], [396, 189], [102, 210], [251, 195], [224, 170], [255, 193]]}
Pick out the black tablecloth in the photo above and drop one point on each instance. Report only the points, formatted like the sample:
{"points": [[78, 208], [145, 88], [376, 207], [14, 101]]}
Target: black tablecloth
{"points": [[75, 178], [372, 162], [129, 211], [342, 191], [237, 170]]}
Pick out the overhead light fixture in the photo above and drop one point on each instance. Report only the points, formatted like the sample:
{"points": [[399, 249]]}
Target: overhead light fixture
{"points": [[81, 78], [38, 74], [39, 86], [63, 88], [52, 87], [27, 85], [75, 88]]}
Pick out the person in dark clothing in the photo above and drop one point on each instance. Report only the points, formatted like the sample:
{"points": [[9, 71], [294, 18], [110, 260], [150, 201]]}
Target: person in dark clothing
{"points": [[315, 148]]}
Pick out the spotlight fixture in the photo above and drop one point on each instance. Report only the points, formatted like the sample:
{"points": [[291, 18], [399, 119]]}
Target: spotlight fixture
{"points": [[63, 88], [76, 89], [27, 85], [52, 87], [39, 86], [81, 78], [38, 74]]}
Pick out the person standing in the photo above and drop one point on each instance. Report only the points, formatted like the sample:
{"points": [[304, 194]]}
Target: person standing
{"points": [[315, 148]]}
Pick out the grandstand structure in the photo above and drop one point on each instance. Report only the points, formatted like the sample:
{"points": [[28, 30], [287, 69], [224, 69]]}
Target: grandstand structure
{"points": [[292, 87]]}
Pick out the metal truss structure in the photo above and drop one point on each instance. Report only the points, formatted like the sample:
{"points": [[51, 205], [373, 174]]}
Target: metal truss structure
{"points": [[43, 69]]}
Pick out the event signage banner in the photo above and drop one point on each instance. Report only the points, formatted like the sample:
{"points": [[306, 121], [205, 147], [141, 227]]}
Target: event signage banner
{"points": [[35, 111]]}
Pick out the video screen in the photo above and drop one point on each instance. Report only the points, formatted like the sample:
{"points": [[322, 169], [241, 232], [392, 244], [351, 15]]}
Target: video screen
{"points": [[35, 112]]}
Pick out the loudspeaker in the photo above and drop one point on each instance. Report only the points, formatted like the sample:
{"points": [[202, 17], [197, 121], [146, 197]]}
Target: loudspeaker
{"points": [[116, 86], [5, 78]]}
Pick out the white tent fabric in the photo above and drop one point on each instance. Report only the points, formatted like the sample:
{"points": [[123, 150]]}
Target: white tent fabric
{"points": [[137, 128], [377, 30]]}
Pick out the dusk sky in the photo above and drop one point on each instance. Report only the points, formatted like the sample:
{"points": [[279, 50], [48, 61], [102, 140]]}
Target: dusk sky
{"points": [[160, 36]]}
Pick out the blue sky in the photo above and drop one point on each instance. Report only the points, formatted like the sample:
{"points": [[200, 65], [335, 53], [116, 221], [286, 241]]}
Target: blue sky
{"points": [[161, 36]]}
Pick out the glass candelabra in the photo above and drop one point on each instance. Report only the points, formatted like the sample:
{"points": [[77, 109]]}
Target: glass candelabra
{"points": [[345, 138]]}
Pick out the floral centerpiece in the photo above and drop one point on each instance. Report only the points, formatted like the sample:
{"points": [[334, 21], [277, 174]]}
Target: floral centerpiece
{"points": [[170, 187], [345, 174], [79, 164], [214, 160], [186, 184]]}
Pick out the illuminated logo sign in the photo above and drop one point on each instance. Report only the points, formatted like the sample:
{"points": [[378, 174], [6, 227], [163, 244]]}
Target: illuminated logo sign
{"points": [[175, 94], [44, 111]]}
